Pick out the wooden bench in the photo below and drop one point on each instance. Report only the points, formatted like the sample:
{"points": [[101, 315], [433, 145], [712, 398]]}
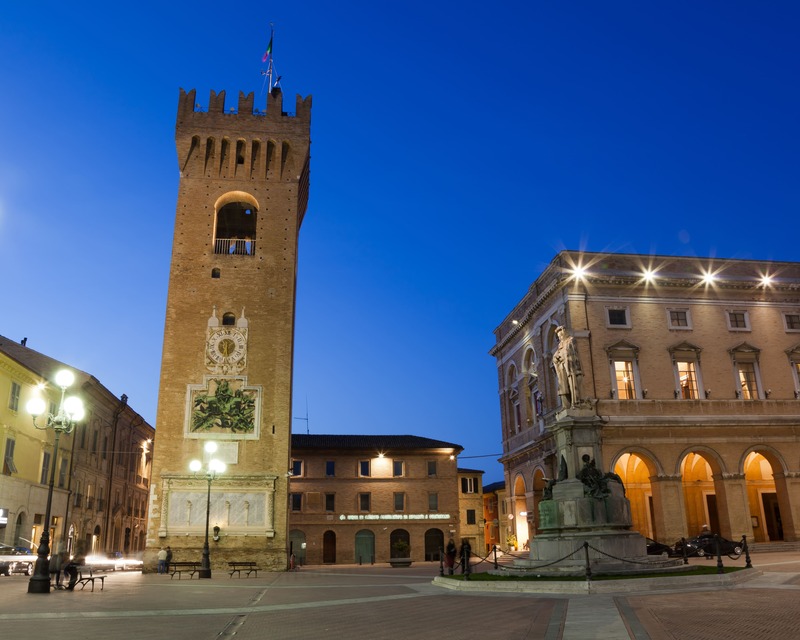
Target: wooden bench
{"points": [[238, 567], [181, 567]]}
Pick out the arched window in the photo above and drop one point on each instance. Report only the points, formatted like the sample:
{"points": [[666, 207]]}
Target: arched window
{"points": [[235, 229], [228, 319]]}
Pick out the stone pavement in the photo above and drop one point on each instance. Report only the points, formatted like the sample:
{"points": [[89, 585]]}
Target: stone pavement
{"points": [[381, 603]]}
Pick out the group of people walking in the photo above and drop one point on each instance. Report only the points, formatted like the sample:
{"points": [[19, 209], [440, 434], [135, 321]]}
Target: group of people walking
{"points": [[463, 553]]}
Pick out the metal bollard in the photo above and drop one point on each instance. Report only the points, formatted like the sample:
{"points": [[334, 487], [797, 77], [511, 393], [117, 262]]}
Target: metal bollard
{"points": [[747, 563], [441, 561], [494, 549], [588, 563], [683, 549], [720, 568]]}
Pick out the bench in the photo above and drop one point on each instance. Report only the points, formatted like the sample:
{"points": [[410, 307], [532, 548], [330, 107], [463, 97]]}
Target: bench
{"points": [[86, 576], [181, 567], [238, 567]]}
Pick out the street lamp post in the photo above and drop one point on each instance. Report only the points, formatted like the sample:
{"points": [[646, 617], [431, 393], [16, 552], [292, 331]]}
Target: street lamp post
{"points": [[70, 411], [213, 468]]}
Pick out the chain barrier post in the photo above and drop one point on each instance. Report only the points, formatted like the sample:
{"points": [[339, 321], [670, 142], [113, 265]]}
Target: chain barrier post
{"points": [[588, 564], [683, 549], [720, 568], [747, 563], [494, 549], [441, 561], [466, 562]]}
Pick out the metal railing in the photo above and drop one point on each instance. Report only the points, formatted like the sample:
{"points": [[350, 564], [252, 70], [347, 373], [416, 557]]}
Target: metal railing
{"points": [[234, 247]]}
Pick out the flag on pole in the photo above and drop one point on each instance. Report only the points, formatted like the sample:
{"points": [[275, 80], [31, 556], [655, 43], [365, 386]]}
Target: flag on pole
{"points": [[268, 52]]}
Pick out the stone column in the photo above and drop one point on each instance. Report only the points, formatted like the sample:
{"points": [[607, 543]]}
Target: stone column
{"points": [[733, 508], [669, 510]]}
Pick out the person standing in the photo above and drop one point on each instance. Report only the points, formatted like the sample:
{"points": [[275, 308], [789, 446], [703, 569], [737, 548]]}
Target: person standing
{"points": [[466, 551], [450, 555], [162, 561], [168, 560]]}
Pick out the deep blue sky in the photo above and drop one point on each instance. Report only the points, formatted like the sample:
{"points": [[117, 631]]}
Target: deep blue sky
{"points": [[457, 146]]}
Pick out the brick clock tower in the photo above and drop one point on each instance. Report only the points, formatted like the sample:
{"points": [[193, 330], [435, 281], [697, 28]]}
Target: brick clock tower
{"points": [[226, 369]]}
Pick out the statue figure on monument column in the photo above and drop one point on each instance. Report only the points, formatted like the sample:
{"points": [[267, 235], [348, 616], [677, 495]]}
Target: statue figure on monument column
{"points": [[569, 373]]}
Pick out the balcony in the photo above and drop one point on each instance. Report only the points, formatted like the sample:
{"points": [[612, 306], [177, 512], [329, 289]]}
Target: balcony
{"points": [[234, 247]]}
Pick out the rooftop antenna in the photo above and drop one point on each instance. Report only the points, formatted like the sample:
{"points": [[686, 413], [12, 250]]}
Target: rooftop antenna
{"points": [[269, 73], [306, 418]]}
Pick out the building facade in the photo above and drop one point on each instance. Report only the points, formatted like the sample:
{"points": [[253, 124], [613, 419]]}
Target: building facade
{"points": [[366, 499], [226, 371], [470, 509], [494, 495], [694, 367], [102, 474]]}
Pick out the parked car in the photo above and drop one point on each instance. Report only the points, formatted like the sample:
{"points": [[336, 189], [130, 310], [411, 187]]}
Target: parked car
{"points": [[655, 548], [16, 560], [706, 546]]}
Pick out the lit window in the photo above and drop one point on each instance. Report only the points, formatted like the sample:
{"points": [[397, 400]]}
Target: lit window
{"points": [[687, 380], [363, 468], [747, 380], [399, 501], [397, 468], [624, 380], [363, 501]]}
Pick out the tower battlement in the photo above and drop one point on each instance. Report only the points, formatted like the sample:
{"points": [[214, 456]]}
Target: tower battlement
{"points": [[216, 115]]}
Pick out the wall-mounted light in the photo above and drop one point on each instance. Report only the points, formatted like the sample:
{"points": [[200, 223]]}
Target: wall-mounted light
{"points": [[579, 273], [216, 534], [738, 394], [644, 393], [708, 393], [768, 393], [676, 393], [649, 275], [766, 281], [611, 394]]}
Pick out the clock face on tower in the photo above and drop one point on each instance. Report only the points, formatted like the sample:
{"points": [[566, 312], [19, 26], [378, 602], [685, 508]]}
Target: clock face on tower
{"points": [[226, 346]]}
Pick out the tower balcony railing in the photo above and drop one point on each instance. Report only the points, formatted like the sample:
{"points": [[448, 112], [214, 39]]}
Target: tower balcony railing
{"points": [[235, 247]]}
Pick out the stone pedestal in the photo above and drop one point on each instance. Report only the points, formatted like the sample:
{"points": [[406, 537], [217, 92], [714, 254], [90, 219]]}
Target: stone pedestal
{"points": [[587, 517]]}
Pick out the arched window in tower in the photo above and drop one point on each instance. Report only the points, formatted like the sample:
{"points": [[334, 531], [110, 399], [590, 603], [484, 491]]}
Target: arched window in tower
{"points": [[235, 231], [228, 319]]}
